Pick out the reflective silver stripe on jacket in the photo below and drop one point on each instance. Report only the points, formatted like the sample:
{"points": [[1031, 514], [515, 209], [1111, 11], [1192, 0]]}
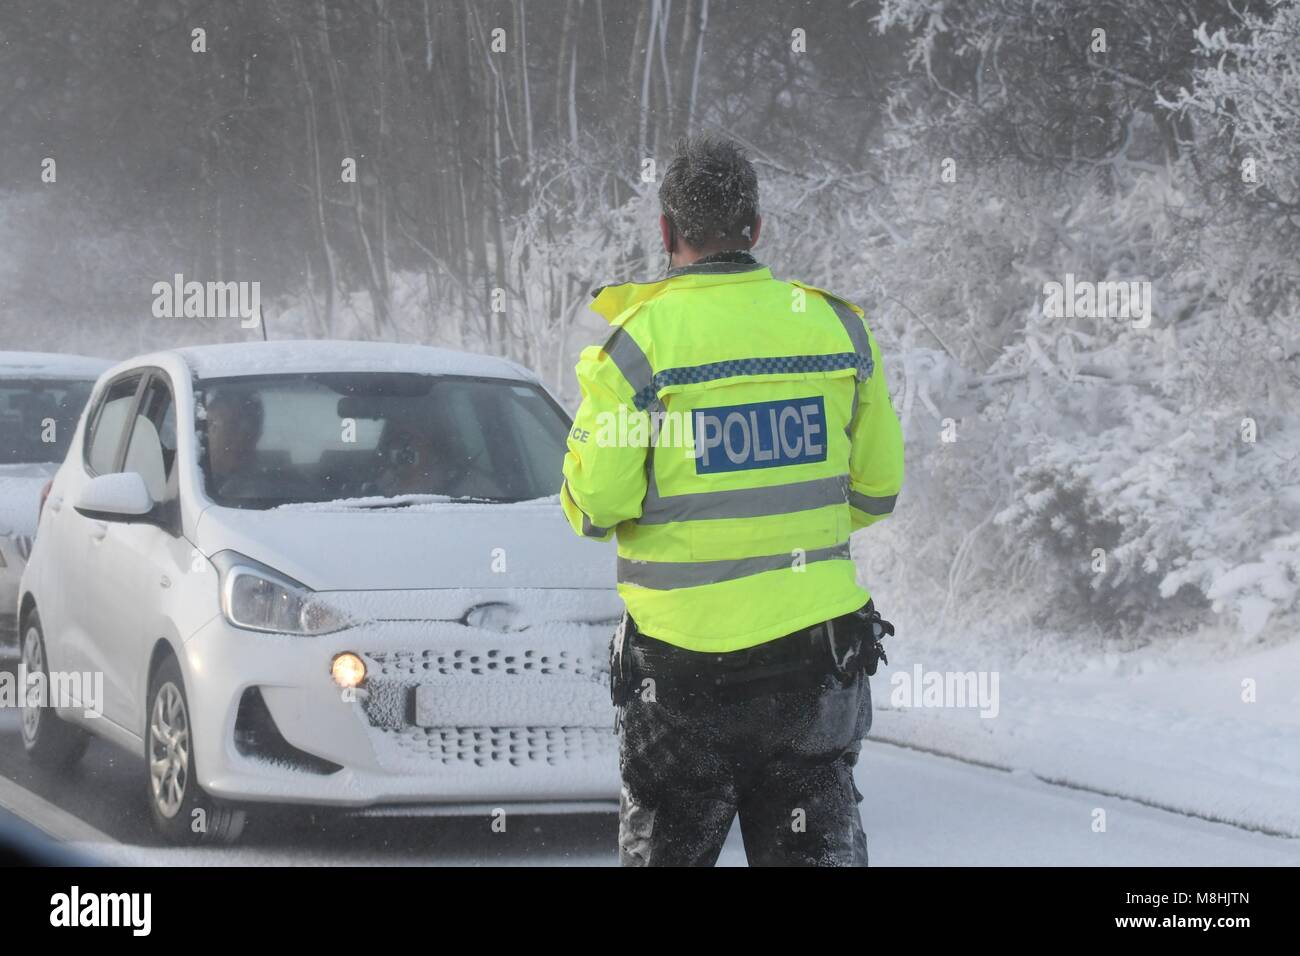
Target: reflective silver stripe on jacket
{"points": [[744, 502], [857, 333], [631, 361], [589, 530], [668, 575], [872, 505]]}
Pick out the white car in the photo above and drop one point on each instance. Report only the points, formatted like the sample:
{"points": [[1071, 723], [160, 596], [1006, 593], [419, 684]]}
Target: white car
{"points": [[323, 573], [41, 396]]}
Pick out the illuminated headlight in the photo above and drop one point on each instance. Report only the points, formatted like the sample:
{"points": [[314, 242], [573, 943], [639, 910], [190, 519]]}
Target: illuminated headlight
{"points": [[257, 598], [348, 670]]}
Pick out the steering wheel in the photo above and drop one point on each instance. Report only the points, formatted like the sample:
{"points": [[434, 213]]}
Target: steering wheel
{"points": [[462, 470]]}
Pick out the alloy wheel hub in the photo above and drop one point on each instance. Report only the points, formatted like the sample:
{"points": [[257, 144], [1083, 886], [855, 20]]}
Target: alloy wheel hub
{"points": [[169, 750], [33, 663]]}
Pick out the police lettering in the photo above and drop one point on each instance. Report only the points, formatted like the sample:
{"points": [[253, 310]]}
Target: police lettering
{"points": [[760, 435]]}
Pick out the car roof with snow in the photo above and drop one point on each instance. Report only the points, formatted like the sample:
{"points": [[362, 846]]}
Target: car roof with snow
{"points": [[294, 356], [50, 365]]}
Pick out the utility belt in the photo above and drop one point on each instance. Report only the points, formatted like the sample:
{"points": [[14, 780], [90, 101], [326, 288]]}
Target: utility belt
{"points": [[844, 647]]}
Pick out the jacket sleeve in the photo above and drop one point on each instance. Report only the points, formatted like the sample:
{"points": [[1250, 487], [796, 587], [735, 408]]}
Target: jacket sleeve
{"points": [[876, 455], [604, 469]]}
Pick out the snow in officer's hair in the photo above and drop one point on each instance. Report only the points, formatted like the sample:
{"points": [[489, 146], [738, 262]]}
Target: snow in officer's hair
{"points": [[710, 190]]}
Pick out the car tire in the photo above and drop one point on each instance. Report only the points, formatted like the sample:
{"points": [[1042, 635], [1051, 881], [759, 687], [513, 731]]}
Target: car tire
{"points": [[183, 813], [49, 741]]}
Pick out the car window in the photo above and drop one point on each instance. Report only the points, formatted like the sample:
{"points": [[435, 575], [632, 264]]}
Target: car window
{"points": [[38, 417], [534, 423], [152, 448], [108, 423], [271, 440]]}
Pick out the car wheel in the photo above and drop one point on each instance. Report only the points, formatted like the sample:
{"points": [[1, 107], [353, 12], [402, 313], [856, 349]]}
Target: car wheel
{"points": [[182, 812], [49, 741]]}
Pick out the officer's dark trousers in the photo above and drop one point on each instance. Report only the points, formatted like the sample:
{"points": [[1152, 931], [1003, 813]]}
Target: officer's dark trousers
{"points": [[782, 760]]}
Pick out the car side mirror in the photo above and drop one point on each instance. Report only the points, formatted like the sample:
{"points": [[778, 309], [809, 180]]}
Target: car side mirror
{"points": [[118, 497]]}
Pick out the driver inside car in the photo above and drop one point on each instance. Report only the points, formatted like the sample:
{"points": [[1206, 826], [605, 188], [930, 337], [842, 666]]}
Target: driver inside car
{"points": [[235, 417], [412, 465], [422, 454]]}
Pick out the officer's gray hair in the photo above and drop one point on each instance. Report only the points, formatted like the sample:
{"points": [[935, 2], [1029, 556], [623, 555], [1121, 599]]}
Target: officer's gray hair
{"points": [[710, 191]]}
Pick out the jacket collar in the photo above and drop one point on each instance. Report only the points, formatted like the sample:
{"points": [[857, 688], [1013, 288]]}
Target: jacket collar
{"points": [[611, 301], [719, 263]]}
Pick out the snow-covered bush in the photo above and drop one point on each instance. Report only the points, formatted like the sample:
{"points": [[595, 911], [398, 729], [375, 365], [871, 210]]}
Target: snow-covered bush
{"points": [[1141, 469]]}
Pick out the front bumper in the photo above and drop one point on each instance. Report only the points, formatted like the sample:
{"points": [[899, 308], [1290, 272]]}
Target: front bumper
{"points": [[506, 718]]}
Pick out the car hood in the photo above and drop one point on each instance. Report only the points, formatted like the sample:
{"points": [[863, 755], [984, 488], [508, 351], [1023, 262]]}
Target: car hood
{"points": [[20, 496], [444, 545]]}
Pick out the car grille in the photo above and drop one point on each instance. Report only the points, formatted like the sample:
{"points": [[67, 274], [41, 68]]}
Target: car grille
{"points": [[499, 706], [513, 746], [418, 665]]}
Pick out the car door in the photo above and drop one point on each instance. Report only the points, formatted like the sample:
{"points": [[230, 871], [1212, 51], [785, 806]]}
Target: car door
{"points": [[139, 561], [72, 542]]}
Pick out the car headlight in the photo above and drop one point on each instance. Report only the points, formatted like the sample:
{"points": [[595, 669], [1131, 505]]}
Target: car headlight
{"points": [[258, 598]]}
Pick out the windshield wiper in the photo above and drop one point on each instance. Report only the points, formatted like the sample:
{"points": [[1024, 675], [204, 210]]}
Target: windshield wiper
{"points": [[436, 500], [379, 503]]}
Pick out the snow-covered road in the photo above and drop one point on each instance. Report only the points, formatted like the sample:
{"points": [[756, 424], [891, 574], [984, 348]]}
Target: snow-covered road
{"points": [[931, 811], [920, 810]]}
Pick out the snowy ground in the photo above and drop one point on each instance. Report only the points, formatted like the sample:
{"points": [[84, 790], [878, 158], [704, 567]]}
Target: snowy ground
{"points": [[1141, 725], [1186, 772], [919, 810]]}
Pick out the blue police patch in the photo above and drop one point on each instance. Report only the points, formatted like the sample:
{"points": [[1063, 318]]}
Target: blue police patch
{"points": [[760, 435]]}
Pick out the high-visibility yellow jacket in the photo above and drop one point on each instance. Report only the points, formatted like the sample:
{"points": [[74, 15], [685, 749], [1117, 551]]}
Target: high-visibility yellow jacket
{"points": [[734, 429]]}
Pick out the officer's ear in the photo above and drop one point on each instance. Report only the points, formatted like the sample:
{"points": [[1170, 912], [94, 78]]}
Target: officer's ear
{"points": [[755, 230], [666, 231]]}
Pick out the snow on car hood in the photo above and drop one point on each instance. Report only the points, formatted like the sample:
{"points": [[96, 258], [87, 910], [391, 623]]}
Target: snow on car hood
{"points": [[339, 546], [20, 496]]}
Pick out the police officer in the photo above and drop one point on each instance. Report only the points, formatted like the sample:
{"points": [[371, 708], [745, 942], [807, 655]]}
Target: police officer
{"points": [[734, 429]]}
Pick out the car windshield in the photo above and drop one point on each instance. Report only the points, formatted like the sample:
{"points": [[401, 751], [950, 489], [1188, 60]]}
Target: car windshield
{"points": [[38, 417], [379, 439]]}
